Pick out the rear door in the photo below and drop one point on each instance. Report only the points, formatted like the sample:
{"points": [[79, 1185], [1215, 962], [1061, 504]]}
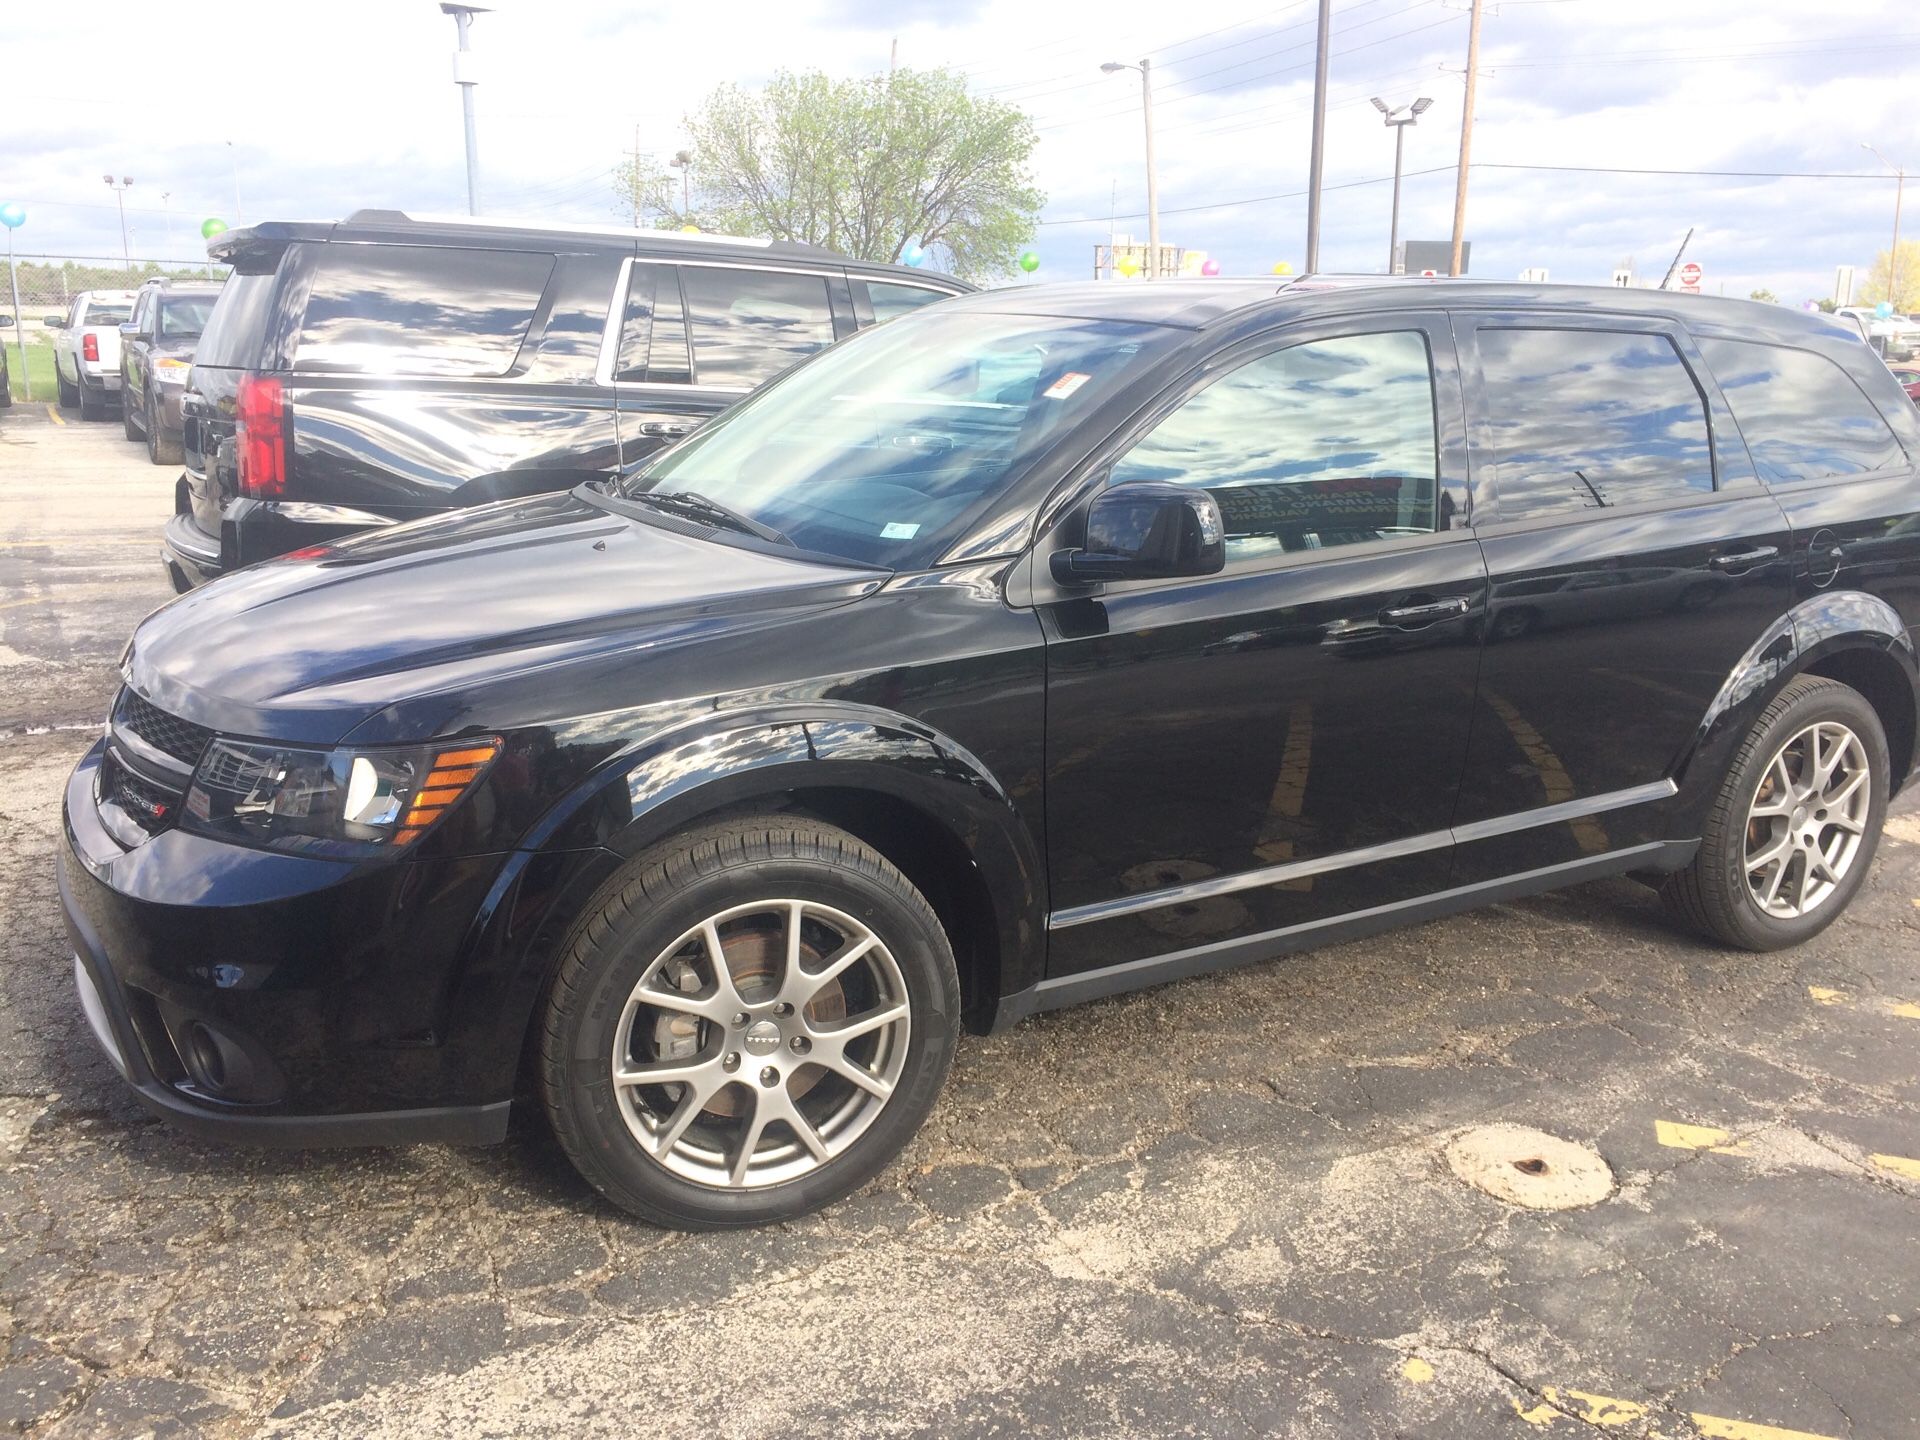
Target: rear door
{"points": [[1634, 557], [698, 335]]}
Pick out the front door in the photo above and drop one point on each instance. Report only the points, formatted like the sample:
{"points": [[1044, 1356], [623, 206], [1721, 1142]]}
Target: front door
{"points": [[1635, 559], [1279, 743]]}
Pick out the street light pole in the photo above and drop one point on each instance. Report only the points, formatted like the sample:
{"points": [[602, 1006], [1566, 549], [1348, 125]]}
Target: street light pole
{"points": [[1398, 117], [1317, 153], [1145, 67], [120, 195], [465, 77], [1893, 255]]}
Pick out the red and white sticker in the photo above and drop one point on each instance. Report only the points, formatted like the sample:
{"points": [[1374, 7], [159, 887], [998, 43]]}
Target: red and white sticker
{"points": [[1065, 385]]}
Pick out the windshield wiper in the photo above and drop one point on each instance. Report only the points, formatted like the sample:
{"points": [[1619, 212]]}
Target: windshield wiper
{"points": [[691, 502]]}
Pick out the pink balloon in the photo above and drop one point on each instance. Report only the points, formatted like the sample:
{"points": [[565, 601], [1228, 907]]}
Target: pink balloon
{"points": [[1210, 267]]}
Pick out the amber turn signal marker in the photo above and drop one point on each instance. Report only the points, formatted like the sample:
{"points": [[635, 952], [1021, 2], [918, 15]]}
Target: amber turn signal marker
{"points": [[454, 772]]}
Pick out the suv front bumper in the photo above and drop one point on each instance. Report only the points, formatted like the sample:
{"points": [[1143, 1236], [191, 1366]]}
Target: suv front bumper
{"points": [[286, 1000]]}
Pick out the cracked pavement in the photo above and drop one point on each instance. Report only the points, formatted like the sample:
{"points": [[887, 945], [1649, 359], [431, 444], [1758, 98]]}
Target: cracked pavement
{"points": [[1218, 1208]]}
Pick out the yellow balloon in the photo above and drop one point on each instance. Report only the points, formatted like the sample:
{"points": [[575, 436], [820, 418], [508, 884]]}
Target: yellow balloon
{"points": [[1128, 267], [1283, 268], [690, 229]]}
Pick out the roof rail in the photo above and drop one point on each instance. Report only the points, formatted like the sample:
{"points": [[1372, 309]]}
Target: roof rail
{"points": [[489, 222]]}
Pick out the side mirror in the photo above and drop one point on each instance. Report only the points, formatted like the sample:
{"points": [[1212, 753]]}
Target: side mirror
{"points": [[1150, 530], [129, 330], [6, 322], [55, 322]]}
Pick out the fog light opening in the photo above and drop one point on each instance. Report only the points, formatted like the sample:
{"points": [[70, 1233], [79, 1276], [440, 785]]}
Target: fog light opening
{"points": [[206, 1059]]}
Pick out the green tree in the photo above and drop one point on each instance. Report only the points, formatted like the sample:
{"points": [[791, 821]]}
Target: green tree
{"points": [[645, 191], [1764, 294], [864, 166], [1827, 306], [1874, 289]]}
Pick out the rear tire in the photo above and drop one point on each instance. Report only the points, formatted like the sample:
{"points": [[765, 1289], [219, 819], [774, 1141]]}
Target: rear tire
{"points": [[1786, 847], [68, 399], [162, 449], [805, 1068], [91, 407]]}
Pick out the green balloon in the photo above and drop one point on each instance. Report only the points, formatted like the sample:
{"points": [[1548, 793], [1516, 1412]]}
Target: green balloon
{"points": [[211, 227], [1029, 261]]}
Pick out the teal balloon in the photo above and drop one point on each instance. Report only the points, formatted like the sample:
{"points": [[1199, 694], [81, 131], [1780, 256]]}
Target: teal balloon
{"points": [[914, 254], [1883, 310], [13, 216], [211, 227], [1029, 261]]}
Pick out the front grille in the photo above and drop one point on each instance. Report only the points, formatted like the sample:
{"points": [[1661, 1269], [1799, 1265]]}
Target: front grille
{"points": [[152, 807], [182, 739]]}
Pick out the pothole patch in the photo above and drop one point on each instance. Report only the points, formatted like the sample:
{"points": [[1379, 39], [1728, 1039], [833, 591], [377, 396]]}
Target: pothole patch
{"points": [[1531, 1168]]}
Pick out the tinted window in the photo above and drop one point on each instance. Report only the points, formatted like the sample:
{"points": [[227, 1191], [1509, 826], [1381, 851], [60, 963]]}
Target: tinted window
{"points": [[1327, 443], [183, 316], [416, 310], [236, 330], [888, 301], [749, 325], [109, 312], [653, 339], [1588, 418], [1801, 414]]}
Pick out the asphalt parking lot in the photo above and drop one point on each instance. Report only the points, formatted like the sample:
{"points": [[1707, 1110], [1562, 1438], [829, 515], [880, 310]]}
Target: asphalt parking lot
{"points": [[1226, 1207]]}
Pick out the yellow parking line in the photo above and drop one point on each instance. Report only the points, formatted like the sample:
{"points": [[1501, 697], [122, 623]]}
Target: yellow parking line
{"points": [[54, 415], [1673, 1134], [1898, 1164], [1610, 1414], [1904, 1009]]}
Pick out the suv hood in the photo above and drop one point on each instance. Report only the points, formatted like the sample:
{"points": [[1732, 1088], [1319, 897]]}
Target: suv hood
{"points": [[309, 646]]}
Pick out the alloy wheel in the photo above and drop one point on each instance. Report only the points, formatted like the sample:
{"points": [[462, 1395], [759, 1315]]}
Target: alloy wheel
{"points": [[761, 1044], [1808, 820]]}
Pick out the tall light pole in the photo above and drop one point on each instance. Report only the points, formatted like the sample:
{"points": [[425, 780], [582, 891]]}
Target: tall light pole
{"points": [[683, 162], [120, 194], [466, 78], [1398, 117], [1316, 155], [1145, 67], [1454, 266], [1893, 255]]}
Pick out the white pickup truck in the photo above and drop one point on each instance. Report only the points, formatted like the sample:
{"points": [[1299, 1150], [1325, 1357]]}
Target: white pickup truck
{"points": [[86, 352]]}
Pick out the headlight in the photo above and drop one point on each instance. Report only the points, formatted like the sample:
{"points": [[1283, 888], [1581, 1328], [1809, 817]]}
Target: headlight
{"points": [[331, 802], [172, 372]]}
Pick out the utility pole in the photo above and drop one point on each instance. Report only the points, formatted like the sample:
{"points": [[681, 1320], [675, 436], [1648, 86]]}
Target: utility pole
{"points": [[1317, 156], [1398, 117], [1466, 138], [1893, 255], [1145, 67], [465, 76], [120, 195], [234, 161]]}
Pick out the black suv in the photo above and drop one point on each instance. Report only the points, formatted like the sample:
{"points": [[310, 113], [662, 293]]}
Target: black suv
{"points": [[385, 368], [1032, 648], [156, 353]]}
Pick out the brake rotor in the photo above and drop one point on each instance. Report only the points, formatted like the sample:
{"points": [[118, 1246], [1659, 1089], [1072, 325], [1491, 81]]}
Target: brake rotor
{"points": [[755, 959]]}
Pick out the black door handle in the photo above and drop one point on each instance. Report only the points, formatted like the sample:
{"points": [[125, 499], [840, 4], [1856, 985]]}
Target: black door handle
{"points": [[1745, 559], [1412, 617]]}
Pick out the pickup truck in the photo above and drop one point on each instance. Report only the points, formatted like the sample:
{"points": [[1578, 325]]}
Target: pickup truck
{"points": [[1896, 337], [86, 352]]}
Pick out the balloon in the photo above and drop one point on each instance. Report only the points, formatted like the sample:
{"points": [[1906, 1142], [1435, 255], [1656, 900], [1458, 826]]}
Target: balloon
{"points": [[1210, 267], [211, 227], [1283, 268], [1883, 310], [13, 215], [1128, 266], [913, 253], [1029, 261]]}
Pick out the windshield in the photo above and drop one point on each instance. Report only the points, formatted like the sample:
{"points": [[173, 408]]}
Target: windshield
{"points": [[183, 317], [108, 312], [882, 448]]}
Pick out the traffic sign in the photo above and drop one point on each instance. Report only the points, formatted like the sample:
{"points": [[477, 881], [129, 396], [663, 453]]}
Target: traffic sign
{"points": [[1690, 278]]}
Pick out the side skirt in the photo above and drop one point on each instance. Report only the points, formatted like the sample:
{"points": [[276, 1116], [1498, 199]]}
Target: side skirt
{"points": [[1661, 856]]}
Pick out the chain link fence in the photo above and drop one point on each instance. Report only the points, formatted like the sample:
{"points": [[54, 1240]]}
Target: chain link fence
{"points": [[46, 285]]}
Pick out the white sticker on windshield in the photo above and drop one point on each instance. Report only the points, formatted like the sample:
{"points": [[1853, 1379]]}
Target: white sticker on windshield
{"points": [[899, 530], [1066, 385]]}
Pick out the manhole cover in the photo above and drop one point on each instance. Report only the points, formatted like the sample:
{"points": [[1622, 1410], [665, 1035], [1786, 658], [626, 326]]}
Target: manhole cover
{"points": [[1530, 1167]]}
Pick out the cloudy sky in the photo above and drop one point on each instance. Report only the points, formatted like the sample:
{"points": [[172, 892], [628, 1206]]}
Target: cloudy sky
{"points": [[315, 109]]}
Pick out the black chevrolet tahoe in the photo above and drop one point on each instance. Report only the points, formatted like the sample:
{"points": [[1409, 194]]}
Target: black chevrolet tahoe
{"points": [[382, 368]]}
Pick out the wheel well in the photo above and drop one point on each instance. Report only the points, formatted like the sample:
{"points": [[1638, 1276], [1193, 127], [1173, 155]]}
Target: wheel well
{"points": [[1880, 679], [937, 863]]}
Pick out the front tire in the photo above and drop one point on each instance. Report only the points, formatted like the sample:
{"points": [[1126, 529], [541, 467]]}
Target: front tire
{"points": [[1793, 831], [91, 407], [753, 1024], [67, 397], [127, 427], [162, 449]]}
